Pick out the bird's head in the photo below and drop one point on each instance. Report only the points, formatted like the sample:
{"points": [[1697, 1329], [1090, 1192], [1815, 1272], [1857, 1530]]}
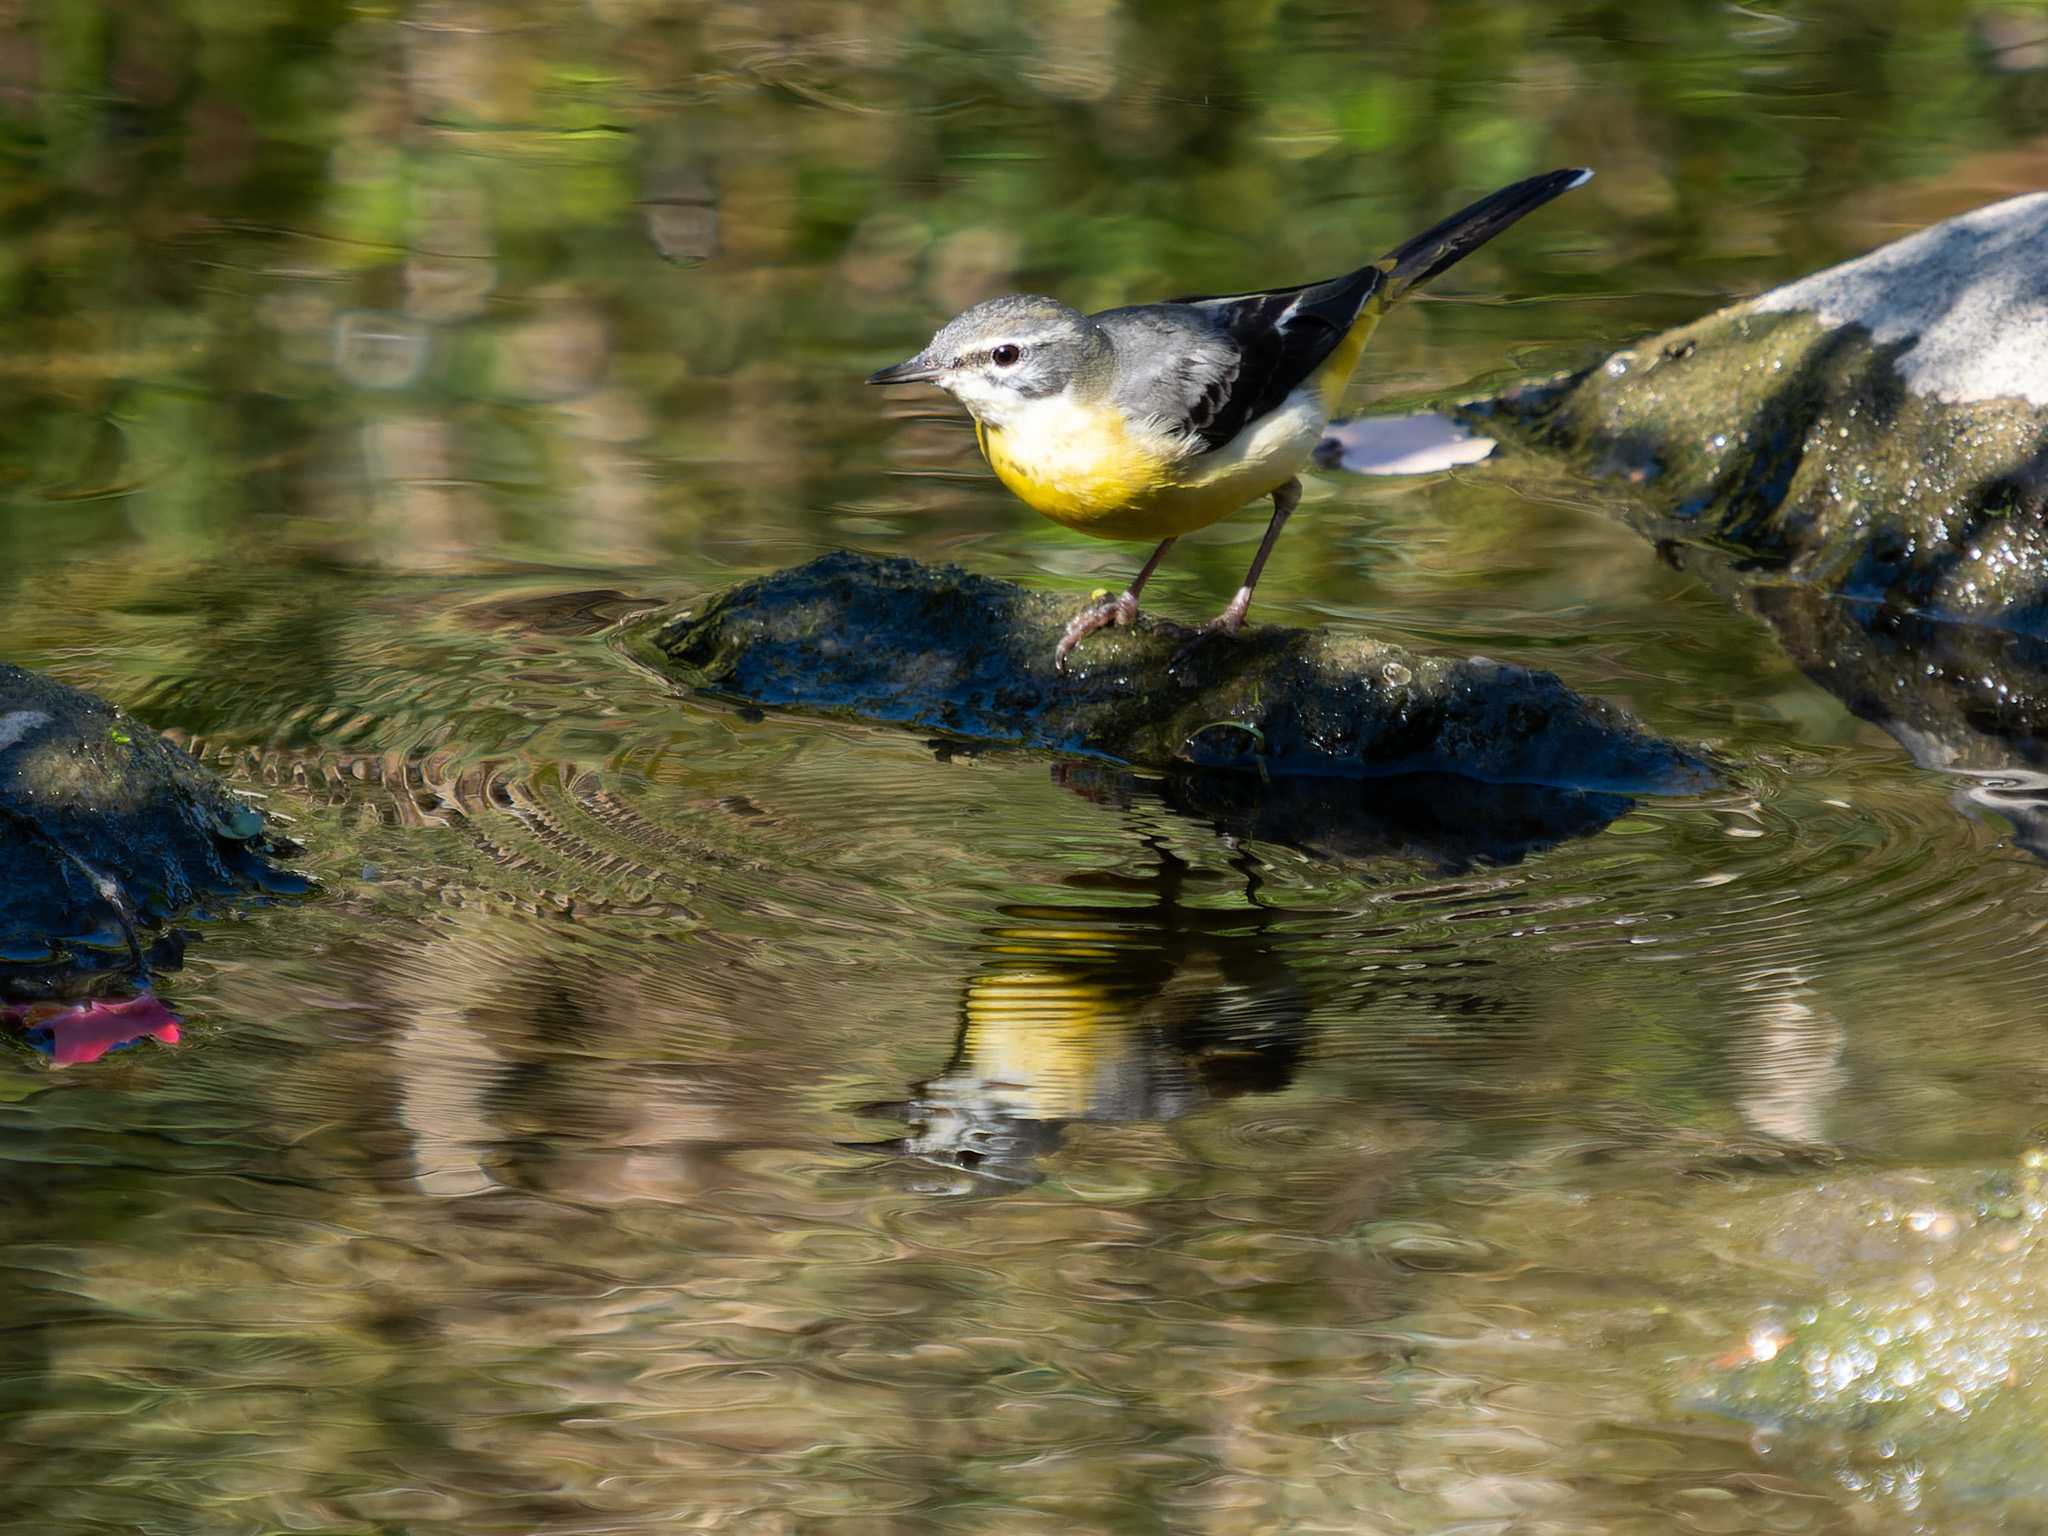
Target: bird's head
{"points": [[1004, 353]]}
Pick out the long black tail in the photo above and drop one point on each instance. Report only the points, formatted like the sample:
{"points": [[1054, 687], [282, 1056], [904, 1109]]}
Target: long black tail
{"points": [[1445, 245]]}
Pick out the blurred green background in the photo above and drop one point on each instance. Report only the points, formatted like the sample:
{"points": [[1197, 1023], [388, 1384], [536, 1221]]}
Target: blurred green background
{"points": [[594, 281]]}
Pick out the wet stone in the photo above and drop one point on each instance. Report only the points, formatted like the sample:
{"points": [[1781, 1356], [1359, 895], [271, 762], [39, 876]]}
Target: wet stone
{"points": [[108, 834], [1860, 459], [1909, 1353], [898, 642], [1878, 430]]}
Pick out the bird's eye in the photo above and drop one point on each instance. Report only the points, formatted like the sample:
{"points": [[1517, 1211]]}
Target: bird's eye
{"points": [[1005, 355]]}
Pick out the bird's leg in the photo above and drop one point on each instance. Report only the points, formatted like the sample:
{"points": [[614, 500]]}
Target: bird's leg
{"points": [[1121, 609], [1285, 499]]}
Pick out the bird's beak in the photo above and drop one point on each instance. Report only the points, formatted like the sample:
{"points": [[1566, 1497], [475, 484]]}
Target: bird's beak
{"points": [[913, 370]]}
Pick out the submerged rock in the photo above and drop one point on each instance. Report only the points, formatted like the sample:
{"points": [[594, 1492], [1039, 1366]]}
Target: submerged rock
{"points": [[108, 833], [1909, 1353], [940, 649]]}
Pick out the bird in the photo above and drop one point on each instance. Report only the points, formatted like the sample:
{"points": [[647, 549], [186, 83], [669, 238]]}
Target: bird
{"points": [[1153, 420]]}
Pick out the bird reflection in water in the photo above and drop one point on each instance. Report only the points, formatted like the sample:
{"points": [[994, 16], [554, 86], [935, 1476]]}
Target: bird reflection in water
{"points": [[1140, 1008], [1147, 1007]]}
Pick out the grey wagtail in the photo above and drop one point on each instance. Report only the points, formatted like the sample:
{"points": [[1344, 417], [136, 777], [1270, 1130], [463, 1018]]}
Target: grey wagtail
{"points": [[1157, 419]]}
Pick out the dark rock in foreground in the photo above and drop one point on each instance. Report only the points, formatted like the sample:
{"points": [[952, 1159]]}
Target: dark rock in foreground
{"points": [[107, 834], [946, 651]]}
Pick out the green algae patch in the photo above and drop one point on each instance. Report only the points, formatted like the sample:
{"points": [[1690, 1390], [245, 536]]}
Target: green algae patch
{"points": [[1920, 1363], [1797, 447], [942, 650]]}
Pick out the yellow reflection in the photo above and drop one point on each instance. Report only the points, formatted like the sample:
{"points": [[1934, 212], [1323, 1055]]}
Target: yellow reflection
{"points": [[1138, 1010]]}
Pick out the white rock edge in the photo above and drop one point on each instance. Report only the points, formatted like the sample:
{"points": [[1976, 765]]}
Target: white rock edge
{"points": [[1973, 289]]}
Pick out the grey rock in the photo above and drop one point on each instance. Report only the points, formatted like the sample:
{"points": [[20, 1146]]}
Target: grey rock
{"points": [[1969, 297], [1859, 458], [108, 834], [1823, 450]]}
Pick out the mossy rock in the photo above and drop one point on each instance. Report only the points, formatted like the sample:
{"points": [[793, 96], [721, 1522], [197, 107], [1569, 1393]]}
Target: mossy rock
{"points": [[108, 835], [1859, 459], [1878, 431], [945, 651], [1910, 1353]]}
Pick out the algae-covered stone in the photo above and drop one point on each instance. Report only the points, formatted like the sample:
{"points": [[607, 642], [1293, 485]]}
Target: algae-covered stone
{"points": [[107, 833], [943, 650], [1878, 430], [1860, 459], [1917, 1366]]}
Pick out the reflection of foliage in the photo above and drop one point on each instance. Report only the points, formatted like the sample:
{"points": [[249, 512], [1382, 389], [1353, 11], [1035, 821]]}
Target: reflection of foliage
{"points": [[1120, 148]]}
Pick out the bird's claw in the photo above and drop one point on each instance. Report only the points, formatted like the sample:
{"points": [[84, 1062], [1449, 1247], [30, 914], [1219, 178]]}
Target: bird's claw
{"points": [[1119, 610], [1225, 623]]}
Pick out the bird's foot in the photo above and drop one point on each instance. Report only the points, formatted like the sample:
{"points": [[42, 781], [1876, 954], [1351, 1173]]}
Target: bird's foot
{"points": [[1228, 622], [1121, 610]]}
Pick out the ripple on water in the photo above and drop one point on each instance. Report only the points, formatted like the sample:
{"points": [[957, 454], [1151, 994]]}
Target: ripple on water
{"points": [[1254, 1157], [1757, 950]]}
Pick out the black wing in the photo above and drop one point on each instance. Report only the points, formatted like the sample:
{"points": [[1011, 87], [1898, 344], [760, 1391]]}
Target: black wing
{"points": [[1206, 367]]}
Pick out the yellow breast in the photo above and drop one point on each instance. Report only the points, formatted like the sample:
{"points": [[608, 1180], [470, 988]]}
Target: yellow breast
{"points": [[1079, 465], [1087, 468], [1083, 464]]}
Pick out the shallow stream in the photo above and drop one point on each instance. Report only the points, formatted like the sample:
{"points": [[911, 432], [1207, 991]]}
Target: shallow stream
{"points": [[670, 1117]]}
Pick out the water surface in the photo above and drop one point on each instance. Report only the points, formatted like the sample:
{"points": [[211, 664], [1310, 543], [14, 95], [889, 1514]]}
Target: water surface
{"points": [[673, 1118]]}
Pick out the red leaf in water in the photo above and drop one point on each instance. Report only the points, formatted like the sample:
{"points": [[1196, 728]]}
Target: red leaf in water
{"points": [[81, 1032]]}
